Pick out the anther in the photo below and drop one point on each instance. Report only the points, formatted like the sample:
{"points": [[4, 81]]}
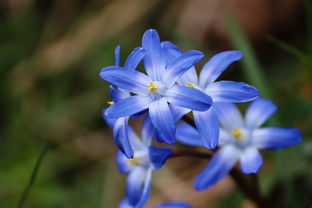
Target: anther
{"points": [[152, 86], [190, 85], [237, 134]]}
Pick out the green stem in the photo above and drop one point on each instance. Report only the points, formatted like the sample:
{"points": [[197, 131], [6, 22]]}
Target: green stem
{"points": [[34, 174]]}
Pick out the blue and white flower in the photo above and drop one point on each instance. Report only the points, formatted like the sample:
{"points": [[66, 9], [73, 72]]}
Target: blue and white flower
{"points": [[157, 89], [139, 168], [207, 122], [120, 125], [240, 140]]}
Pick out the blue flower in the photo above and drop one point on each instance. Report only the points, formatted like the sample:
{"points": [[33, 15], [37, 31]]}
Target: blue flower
{"points": [[173, 205], [157, 89], [240, 140], [207, 122], [120, 125], [139, 168]]}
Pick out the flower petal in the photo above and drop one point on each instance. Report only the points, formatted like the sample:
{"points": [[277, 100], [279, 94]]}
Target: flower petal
{"points": [[129, 80], [207, 124], [163, 120], [258, 112], [233, 92], [120, 134], [110, 121], [159, 155], [188, 97], [154, 59], [122, 163], [225, 137], [216, 65], [128, 106], [229, 115], [187, 134], [148, 131], [251, 160], [173, 205], [172, 52], [146, 189], [276, 137], [184, 62], [117, 55], [137, 181], [189, 77], [178, 112], [118, 94], [220, 164], [134, 58], [136, 143]]}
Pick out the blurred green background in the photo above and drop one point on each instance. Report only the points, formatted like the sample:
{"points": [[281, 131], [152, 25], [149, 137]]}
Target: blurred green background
{"points": [[51, 52]]}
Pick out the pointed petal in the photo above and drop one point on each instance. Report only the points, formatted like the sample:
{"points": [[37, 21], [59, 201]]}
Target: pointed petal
{"points": [[118, 94], [129, 80], [120, 134], [187, 134], [220, 164], [233, 92], [188, 97], [117, 55], [276, 137], [172, 52], [258, 112], [128, 106], [173, 205], [148, 130], [134, 58], [251, 160], [184, 62], [154, 59], [207, 124], [216, 65], [159, 155], [229, 115], [110, 121], [163, 120], [136, 183]]}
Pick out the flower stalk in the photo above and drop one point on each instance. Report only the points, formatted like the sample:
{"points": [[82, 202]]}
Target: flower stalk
{"points": [[34, 174]]}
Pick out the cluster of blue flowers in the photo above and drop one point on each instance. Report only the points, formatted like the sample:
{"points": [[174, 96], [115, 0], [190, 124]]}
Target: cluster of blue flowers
{"points": [[169, 90]]}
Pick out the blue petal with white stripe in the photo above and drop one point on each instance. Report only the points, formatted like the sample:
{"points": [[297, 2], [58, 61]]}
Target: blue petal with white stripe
{"points": [[276, 137], [216, 65], [232, 92], [259, 111], [188, 97]]}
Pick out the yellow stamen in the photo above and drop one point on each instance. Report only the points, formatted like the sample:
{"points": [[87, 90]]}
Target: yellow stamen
{"points": [[110, 102], [237, 134], [133, 161], [190, 85], [152, 86]]}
